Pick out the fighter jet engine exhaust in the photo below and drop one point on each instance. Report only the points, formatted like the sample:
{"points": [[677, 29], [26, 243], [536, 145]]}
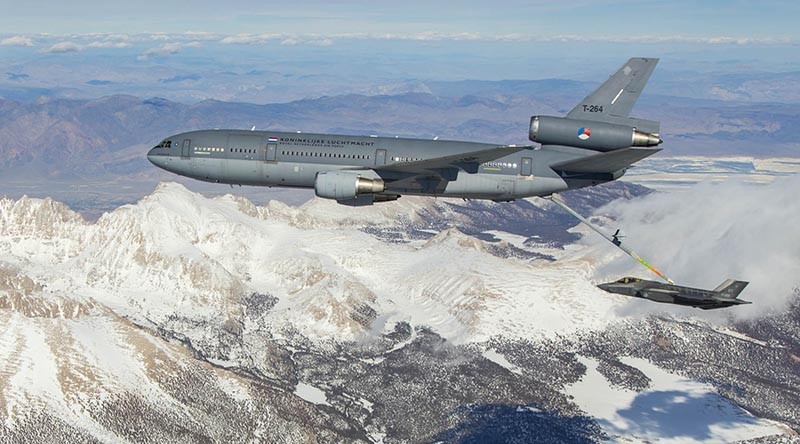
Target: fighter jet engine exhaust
{"points": [[593, 135], [343, 185]]}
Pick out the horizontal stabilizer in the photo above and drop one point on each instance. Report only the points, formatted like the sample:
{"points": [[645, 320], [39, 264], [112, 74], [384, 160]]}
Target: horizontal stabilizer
{"points": [[609, 162]]}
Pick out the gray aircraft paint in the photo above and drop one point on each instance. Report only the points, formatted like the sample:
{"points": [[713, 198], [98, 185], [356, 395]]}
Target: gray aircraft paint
{"points": [[413, 166], [296, 165], [721, 297]]}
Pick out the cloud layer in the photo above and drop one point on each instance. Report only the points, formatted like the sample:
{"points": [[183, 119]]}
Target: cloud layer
{"points": [[167, 49], [17, 40], [62, 47]]}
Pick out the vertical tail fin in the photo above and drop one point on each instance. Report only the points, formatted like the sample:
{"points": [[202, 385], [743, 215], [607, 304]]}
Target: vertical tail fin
{"points": [[615, 98], [730, 288]]}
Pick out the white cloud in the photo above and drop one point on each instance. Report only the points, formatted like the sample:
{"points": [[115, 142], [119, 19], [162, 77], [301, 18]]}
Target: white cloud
{"points": [[108, 44], [118, 37], [201, 35], [283, 39], [713, 232], [251, 39], [291, 41], [17, 40], [515, 37], [167, 49], [328, 39], [123, 40], [62, 47], [158, 36]]}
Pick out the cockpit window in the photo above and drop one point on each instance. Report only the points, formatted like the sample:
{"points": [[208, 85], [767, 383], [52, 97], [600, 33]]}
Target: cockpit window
{"points": [[165, 144], [628, 280]]}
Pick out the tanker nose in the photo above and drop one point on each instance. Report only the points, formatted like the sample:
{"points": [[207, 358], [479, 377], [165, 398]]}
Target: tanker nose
{"points": [[156, 158]]}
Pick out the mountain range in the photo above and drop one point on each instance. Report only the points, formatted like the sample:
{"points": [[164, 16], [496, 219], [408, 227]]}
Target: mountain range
{"points": [[61, 139], [187, 319]]}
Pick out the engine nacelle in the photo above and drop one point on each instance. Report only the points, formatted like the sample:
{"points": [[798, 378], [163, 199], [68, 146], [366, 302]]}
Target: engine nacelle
{"points": [[343, 185], [368, 199], [598, 136]]}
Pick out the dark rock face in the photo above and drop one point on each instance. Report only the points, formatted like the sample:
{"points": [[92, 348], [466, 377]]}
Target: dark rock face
{"points": [[520, 424], [621, 375]]}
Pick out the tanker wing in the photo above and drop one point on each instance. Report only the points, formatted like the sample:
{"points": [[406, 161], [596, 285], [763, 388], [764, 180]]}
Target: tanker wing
{"points": [[469, 161]]}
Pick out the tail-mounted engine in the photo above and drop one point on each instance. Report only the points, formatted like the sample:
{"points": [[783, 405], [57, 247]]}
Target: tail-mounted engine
{"points": [[593, 135]]}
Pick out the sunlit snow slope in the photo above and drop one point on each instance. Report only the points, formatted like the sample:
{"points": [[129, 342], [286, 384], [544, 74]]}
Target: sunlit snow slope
{"points": [[184, 316], [178, 253]]}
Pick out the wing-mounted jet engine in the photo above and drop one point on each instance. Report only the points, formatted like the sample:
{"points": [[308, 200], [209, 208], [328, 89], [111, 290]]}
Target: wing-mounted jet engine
{"points": [[343, 185], [352, 188]]}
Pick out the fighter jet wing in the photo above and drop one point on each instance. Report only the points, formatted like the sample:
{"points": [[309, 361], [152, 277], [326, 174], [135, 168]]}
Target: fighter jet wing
{"points": [[469, 162]]}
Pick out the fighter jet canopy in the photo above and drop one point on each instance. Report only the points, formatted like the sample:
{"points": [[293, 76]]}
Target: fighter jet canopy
{"points": [[628, 280]]}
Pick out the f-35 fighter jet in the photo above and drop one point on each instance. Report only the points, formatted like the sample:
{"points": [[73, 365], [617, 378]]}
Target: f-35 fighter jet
{"points": [[723, 296]]}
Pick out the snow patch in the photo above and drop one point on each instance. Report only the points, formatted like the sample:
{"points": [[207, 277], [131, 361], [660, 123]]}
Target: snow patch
{"points": [[311, 394], [501, 360], [673, 409]]}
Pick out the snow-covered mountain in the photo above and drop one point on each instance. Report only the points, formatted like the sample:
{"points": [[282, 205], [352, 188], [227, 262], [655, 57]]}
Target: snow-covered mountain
{"points": [[183, 318]]}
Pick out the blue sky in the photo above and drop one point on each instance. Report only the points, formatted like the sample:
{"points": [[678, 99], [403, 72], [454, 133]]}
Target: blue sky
{"points": [[581, 18]]}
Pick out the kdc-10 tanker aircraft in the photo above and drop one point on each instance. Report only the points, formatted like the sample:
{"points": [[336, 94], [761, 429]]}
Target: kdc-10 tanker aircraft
{"points": [[594, 143]]}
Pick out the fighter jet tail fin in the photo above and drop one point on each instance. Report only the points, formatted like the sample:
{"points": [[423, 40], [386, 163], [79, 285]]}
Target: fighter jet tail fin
{"points": [[615, 98], [730, 288]]}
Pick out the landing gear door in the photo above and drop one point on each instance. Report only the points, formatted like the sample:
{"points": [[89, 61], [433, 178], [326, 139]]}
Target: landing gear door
{"points": [[380, 157], [185, 147], [272, 149], [526, 167]]}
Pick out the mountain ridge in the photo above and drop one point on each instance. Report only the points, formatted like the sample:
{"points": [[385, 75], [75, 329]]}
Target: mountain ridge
{"points": [[80, 139], [222, 320]]}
